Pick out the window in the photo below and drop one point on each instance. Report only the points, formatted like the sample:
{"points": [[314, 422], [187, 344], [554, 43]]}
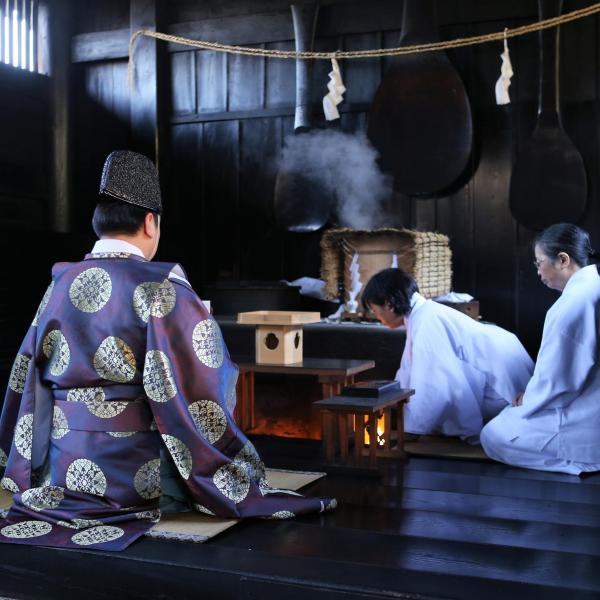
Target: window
{"points": [[18, 35]]}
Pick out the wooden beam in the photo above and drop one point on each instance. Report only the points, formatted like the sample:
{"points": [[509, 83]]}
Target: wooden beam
{"points": [[383, 15], [100, 45], [283, 111], [247, 29]]}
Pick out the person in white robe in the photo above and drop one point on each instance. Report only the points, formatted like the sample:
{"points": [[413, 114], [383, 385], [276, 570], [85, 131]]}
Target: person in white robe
{"points": [[463, 372], [555, 424]]}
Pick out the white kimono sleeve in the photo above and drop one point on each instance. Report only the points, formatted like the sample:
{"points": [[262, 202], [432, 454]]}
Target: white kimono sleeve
{"points": [[561, 371], [448, 391]]}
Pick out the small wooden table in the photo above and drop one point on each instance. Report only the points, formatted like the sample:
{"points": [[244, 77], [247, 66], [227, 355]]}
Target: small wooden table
{"points": [[345, 406], [333, 374]]}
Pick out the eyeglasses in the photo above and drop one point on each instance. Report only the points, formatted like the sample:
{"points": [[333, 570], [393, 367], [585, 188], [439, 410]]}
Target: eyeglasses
{"points": [[537, 263]]}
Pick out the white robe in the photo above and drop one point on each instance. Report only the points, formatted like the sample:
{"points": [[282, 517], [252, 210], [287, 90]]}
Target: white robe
{"points": [[463, 372], [557, 428]]}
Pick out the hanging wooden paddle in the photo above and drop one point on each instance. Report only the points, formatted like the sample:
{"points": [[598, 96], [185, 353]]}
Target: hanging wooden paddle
{"points": [[548, 183], [420, 118], [299, 203]]}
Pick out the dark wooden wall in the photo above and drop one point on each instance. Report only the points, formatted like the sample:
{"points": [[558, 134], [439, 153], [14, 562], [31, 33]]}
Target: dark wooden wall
{"points": [[220, 122], [24, 195]]}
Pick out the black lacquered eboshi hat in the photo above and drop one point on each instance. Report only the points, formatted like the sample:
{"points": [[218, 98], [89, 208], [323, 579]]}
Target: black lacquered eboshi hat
{"points": [[131, 177]]}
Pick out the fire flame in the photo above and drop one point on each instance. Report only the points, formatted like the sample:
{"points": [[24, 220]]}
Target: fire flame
{"points": [[380, 431]]}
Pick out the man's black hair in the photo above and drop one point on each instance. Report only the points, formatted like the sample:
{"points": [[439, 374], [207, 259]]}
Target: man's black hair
{"points": [[114, 216], [390, 286]]}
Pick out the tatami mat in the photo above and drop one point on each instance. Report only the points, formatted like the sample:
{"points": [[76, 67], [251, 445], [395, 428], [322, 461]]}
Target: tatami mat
{"points": [[444, 447], [196, 527]]}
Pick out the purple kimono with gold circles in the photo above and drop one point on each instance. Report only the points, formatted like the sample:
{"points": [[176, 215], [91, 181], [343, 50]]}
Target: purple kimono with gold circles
{"points": [[120, 361]]}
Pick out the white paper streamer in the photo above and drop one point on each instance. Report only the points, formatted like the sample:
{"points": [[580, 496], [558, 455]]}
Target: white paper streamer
{"points": [[352, 304], [506, 72], [336, 90]]}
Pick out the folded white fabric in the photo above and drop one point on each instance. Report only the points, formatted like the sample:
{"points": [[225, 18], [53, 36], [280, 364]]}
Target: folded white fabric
{"points": [[309, 286], [506, 73], [336, 90], [454, 297]]}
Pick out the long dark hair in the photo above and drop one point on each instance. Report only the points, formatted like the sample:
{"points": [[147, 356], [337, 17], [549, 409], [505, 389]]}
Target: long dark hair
{"points": [[570, 239], [390, 286]]}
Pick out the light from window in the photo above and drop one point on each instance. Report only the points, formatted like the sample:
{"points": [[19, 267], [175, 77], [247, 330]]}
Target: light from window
{"points": [[18, 33]]}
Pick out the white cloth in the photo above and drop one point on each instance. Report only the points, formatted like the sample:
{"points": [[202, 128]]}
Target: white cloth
{"points": [[309, 286], [464, 372], [506, 73], [454, 297], [557, 427], [113, 245], [336, 92]]}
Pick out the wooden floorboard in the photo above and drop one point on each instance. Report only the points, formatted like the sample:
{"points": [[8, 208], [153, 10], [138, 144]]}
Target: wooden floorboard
{"points": [[295, 539], [159, 570], [523, 509], [427, 529], [500, 487], [481, 530], [493, 469]]}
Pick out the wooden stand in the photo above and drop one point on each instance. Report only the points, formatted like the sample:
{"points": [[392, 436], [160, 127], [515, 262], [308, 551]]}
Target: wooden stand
{"points": [[339, 411], [278, 334], [333, 375]]}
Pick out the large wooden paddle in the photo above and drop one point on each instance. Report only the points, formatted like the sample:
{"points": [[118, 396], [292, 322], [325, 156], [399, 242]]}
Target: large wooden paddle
{"points": [[548, 183], [420, 118], [300, 204]]}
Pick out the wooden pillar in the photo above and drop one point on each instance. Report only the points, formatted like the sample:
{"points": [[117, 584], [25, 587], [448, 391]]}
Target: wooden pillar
{"points": [[149, 100], [359, 438], [400, 429], [55, 30], [343, 436], [147, 81], [329, 435]]}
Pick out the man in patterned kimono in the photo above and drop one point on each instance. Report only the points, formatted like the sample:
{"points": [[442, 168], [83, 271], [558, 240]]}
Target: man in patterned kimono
{"points": [[122, 360]]}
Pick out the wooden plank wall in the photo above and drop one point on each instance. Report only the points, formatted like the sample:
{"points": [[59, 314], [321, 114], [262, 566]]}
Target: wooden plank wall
{"points": [[24, 198], [226, 118]]}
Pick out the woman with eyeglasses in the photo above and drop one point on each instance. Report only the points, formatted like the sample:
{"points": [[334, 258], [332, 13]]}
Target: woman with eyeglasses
{"points": [[464, 372], [555, 424]]}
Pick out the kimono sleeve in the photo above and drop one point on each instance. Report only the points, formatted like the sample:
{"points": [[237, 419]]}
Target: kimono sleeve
{"points": [[447, 389], [561, 371], [189, 378], [17, 420]]}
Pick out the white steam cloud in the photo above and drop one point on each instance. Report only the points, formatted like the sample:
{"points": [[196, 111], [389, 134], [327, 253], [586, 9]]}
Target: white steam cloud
{"points": [[345, 165]]}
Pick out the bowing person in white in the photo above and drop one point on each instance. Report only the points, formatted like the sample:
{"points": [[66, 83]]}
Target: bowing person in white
{"points": [[555, 424], [463, 372]]}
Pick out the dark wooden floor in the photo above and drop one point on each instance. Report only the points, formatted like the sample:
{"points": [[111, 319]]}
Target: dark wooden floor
{"points": [[428, 528]]}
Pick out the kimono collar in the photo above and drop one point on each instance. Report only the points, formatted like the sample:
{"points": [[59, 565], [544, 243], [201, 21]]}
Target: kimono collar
{"points": [[416, 301], [112, 248], [588, 272]]}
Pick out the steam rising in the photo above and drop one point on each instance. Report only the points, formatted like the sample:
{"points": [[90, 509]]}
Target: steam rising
{"points": [[345, 166]]}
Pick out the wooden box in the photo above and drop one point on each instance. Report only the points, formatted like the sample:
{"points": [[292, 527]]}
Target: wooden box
{"points": [[278, 334], [426, 256], [469, 308]]}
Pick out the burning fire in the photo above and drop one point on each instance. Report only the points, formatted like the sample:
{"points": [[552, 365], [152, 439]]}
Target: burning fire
{"points": [[380, 430]]}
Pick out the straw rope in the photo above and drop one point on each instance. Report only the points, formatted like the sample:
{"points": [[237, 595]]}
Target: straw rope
{"points": [[375, 53]]}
